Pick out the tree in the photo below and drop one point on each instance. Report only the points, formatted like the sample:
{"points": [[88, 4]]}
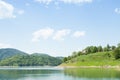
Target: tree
{"points": [[79, 53], [87, 50], [113, 47], [69, 58], [108, 47], [100, 49], [65, 59], [116, 53], [93, 49], [105, 49], [74, 54]]}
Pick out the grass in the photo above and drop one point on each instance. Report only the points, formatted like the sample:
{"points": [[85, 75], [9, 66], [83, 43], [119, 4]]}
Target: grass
{"points": [[94, 59]]}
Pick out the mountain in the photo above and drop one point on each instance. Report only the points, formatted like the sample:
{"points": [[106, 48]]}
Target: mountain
{"points": [[47, 59], [14, 57], [39, 54], [10, 52], [31, 60]]}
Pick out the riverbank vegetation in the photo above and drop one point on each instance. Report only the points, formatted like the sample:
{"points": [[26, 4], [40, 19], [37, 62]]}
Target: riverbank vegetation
{"points": [[95, 56]]}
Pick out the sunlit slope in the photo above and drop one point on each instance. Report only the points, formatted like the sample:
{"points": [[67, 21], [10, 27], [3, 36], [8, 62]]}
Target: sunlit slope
{"points": [[95, 59]]}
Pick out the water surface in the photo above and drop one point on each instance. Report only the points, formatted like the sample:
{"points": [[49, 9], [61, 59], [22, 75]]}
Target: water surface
{"points": [[51, 73]]}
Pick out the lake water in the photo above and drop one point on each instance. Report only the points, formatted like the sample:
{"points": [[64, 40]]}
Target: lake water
{"points": [[50, 73]]}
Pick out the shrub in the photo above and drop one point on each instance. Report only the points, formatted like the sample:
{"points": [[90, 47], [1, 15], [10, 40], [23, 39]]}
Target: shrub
{"points": [[116, 53]]}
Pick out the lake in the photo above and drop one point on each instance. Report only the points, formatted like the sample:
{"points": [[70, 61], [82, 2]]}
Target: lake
{"points": [[51, 73]]}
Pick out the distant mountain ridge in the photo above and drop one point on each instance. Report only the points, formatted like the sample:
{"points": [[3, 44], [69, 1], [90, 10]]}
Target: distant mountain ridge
{"points": [[40, 54], [14, 57], [9, 52]]}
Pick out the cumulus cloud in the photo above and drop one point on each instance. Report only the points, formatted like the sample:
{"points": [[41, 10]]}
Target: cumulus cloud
{"points": [[78, 34], [42, 33], [59, 35], [2, 45], [6, 10], [117, 10]]}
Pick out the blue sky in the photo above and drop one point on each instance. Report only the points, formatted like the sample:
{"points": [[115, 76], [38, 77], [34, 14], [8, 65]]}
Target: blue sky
{"points": [[58, 27]]}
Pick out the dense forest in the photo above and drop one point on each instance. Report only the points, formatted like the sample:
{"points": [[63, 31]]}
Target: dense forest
{"points": [[95, 55], [13, 57]]}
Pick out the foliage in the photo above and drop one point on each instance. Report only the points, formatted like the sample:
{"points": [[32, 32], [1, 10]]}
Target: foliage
{"points": [[95, 55], [14, 57], [116, 53], [96, 59], [31, 60], [100, 49], [65, 59]]}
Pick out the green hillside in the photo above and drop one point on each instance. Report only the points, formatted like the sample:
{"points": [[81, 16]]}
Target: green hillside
{"points": [[96, 59], [110, 57], [31, 60], [14, 57]]}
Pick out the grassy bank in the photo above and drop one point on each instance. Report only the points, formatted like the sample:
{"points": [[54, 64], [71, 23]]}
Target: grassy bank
{"points": [[96, 59]]}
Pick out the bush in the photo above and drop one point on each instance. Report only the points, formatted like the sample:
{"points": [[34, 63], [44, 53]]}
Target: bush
{"points": [[116, 53], [65, 59]]}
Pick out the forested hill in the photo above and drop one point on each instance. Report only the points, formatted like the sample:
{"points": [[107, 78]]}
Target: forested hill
{"points": [[95, 56], [9, 52], [14, 57]]}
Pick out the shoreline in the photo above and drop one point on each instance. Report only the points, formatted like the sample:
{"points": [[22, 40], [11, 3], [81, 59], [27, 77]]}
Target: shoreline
{"points": [[106, 67], [65, 67]]}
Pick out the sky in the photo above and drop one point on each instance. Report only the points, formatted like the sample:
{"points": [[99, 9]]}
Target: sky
{"points": [[58, 27]]}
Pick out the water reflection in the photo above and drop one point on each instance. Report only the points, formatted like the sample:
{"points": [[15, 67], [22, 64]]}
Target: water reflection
{"points": [[14, 74], [58, 74], [93, 73]]}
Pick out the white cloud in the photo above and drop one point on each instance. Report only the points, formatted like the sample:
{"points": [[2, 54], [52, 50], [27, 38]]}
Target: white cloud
{"points": [[61, 34], [58, 35], [20, 12], [2, 45], [117, 10], [76, 1], [42, 33], [44, 1], [6, 10], [78, 34]]}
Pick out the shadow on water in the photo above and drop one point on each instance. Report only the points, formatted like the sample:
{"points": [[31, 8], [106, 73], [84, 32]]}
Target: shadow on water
{"points": [[93, 73]]}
